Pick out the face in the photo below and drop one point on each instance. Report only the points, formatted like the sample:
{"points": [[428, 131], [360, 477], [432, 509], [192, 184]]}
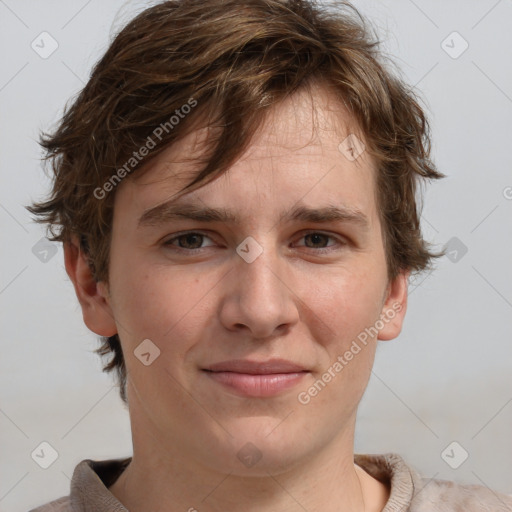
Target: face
{"points": [[291, 279]]}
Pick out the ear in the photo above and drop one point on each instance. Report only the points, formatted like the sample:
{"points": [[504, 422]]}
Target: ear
{"points": [[394, 307], [92, 295]]}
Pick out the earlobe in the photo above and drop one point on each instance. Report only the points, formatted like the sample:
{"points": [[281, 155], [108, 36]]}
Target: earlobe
{"points": [[394, 307], [92, 295]]}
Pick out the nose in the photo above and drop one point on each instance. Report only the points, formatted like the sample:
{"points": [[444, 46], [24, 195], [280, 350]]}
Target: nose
{"points": [[259, 296]]}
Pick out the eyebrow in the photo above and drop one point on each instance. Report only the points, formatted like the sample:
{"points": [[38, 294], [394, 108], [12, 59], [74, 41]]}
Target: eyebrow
{"points": [[170, 211]]}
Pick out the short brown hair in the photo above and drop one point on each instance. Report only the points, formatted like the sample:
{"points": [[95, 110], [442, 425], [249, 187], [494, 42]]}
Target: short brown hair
{"points": [[234, 59]]}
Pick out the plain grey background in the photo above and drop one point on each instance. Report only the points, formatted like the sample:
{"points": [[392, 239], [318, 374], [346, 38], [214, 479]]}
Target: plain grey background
{"points": [[446, 379]]}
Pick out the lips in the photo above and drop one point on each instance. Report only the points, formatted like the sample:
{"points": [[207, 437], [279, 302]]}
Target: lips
{"points": [[256, 367], [256, 378]]}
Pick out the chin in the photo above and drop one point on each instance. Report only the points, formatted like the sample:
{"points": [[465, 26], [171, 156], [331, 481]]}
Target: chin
{"points": [[259, 446]]}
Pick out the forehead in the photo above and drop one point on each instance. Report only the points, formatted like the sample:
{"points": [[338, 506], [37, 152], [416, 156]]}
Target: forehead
{"points": [[299, 152]]}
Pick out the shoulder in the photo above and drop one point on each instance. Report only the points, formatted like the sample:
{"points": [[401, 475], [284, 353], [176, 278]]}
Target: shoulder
{"points": [[411, 492], [445, 495], [89, 488], [61, 505]]}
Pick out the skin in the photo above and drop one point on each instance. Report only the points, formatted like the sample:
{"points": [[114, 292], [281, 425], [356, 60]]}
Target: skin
{"points": [[304, 299]]}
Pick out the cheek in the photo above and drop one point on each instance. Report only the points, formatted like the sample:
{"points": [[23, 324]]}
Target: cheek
{"points": [[343, 314], [158, 302], [346, 302]]}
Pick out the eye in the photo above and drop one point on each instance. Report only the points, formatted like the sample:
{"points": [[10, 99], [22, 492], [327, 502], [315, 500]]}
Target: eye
{"points": [[317, 240], [193, 241], [189, 241]]}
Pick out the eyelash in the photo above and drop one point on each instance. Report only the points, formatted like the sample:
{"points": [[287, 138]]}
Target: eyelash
{"points": [[321, 250]]}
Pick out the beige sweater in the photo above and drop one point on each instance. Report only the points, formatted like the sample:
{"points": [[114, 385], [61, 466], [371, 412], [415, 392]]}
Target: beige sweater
{"points": [[409, 491]]}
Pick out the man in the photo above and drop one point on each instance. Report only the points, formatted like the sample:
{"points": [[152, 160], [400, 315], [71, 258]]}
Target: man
{"points": [[235, 191]]}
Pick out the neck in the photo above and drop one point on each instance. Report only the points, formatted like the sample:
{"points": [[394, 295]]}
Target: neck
{"points": [[167, 474], [161, 480]]}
